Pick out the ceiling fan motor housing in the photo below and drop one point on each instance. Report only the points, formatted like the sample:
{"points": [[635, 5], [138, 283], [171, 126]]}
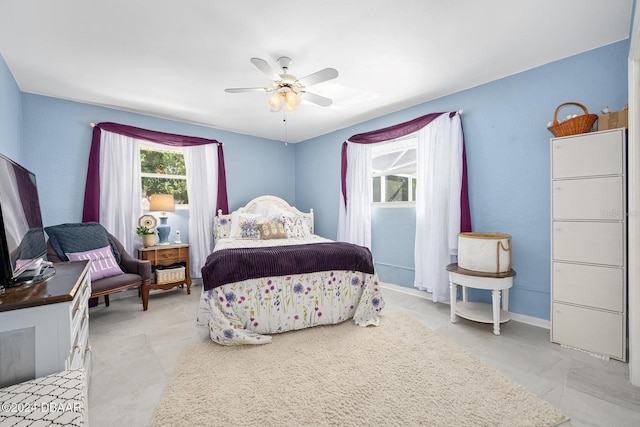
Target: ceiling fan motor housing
{"points": [[284, 62]]}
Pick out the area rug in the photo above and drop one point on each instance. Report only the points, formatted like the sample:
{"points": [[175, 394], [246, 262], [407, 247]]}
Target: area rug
{"points": [[399, 373]]}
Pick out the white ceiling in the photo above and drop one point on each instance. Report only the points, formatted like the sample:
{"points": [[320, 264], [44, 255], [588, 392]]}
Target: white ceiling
{"points": [[173, 59]]}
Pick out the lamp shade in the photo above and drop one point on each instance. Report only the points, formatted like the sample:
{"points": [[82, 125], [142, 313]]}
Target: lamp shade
{"points": [[162, 202]]}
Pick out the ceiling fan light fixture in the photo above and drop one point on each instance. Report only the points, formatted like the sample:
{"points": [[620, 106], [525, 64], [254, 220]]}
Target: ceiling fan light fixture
{"points": [[288, 108], [275, 101], [292, 100]]}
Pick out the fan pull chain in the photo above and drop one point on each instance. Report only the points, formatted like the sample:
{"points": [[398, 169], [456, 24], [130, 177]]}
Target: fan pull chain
{"points": [[286, 136]]}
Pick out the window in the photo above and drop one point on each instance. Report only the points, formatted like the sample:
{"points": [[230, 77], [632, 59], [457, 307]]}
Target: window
{"points": [[394, 171], [162, 171]]}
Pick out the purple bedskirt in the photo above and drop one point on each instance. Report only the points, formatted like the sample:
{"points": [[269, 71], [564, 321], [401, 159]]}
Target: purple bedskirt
{"points": [[238, 264]]}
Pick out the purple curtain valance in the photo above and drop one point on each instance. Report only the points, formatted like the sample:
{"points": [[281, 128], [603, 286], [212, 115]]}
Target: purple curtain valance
{"points": [[400, 130], [91, 210], [395, 131], [171, 139]]}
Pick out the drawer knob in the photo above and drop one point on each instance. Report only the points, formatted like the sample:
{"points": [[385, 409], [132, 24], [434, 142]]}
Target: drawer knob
{"points": [[76, 308]]}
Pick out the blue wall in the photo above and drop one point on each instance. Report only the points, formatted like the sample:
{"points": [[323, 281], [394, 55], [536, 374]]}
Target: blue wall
{"points": [[10, 115], [508, 163], [57, 136], [394, 261]]}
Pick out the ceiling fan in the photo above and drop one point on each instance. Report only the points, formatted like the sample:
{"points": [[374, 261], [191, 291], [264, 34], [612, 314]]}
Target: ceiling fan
{"points": [[287, 89]]}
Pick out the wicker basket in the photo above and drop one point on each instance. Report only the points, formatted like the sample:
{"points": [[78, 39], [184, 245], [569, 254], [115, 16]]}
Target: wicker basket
{"points": [[170, 275], [574, 125]]}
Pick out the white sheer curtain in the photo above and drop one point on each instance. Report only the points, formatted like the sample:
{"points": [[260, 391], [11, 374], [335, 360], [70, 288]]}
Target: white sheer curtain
{"points": [[120, 192], [201, 163], [439, 167], [354, 221]]}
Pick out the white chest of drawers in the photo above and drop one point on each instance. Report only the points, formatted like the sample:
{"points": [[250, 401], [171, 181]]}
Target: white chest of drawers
{"points": [[44, 328], [588, 242]]}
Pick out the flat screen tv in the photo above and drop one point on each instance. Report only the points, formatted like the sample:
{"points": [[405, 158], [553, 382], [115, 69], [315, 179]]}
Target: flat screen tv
{"points": [[22, 241]]}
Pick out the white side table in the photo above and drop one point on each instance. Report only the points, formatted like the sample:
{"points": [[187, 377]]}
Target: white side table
{"points": [[498, 283]]}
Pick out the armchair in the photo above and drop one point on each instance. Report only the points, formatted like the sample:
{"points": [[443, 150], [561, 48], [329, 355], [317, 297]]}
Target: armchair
{"points": [[66, 238]]}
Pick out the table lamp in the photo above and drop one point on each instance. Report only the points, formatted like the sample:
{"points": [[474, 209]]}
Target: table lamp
{"points": [[162, 203]]}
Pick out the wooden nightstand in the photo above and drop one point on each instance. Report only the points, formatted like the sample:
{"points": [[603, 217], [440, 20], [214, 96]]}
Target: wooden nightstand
{"points": [[166, 255]]}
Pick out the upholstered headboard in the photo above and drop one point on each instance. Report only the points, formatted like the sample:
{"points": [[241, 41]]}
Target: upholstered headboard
{"points": [[222, 223]]}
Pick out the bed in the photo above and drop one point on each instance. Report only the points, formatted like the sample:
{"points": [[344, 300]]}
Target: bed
{"points": [[269, 273]]}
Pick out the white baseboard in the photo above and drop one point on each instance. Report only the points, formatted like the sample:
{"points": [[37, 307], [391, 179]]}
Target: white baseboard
{"points": [[410, 291], [529, 320]]}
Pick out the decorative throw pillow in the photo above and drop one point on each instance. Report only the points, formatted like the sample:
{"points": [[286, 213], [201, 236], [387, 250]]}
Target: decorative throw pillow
{"points": [[272, 230], [245, 226], [79, 237], [295, 226], [221, 227], [103, 263]]}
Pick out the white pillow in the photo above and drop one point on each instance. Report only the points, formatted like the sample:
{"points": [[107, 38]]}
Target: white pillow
{"points": [[245, 226], [278, 211], [262, 209], [270, 212]]}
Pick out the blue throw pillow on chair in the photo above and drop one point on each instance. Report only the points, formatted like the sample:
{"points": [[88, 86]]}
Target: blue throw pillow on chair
{"points": [[79, 237]]}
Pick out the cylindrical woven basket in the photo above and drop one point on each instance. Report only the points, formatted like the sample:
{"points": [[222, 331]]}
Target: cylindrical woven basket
{"points": [[574, 125], [485, 252]]}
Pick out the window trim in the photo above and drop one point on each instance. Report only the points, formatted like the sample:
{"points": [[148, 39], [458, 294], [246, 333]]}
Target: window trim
{"points": [[393, 204], [149, 146], [400, 146]]}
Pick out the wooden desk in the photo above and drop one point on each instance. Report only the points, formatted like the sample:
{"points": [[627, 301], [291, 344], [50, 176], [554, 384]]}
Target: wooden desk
{"points": [[166, 255], [498, 283]]}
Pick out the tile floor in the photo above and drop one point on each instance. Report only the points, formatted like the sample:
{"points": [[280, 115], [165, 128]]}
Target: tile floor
{"points": [[134, 353]]}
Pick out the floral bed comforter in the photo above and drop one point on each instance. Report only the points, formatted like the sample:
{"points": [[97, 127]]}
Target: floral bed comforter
{"points": [[246, 312]]}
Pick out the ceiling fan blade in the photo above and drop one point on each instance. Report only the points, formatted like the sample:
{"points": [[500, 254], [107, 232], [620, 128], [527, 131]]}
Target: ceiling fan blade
{"points": [[317, 99], [265, 68], [246, 89], [319, 77]]}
